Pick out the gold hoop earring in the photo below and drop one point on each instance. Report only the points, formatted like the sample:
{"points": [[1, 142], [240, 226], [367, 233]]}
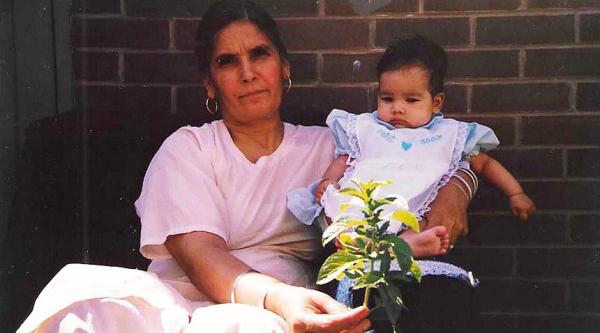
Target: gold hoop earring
{"points": [[208, 107], [289, 84]]}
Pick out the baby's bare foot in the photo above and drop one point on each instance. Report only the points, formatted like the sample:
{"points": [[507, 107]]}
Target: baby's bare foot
{"points": [[430, 242]]}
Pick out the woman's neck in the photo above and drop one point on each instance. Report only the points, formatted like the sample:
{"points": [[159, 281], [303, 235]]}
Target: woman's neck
{"points": [[258, 139]]}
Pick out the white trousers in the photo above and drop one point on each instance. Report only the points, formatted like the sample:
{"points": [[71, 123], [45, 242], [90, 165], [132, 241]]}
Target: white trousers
{"points": [[100, 299]]}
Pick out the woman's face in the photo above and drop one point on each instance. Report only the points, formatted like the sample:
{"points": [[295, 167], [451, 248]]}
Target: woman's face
{"points": [[246, 74]]}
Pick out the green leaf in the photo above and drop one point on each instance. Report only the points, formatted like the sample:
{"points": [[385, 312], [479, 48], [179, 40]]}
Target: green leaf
{"points": [[338, 227], [391, 307], [415, 269], [355, 193], [397, 275], [336, 264], [385, 262], [371, 280], [406, 217], [393, 293], [401, 250]]}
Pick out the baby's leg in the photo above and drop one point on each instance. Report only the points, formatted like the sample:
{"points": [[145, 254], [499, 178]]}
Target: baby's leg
{"points": [[430, 242]]}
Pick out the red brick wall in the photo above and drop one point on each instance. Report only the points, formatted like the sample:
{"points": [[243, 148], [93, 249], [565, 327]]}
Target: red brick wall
{"points": [[530, 69]]}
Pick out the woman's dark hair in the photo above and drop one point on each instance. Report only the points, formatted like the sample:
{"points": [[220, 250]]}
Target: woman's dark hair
{"points": [[222, 13], [419, 51]]}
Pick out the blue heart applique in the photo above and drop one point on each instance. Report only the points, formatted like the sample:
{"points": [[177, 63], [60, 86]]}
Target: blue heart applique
{"points": [[406, 145]]}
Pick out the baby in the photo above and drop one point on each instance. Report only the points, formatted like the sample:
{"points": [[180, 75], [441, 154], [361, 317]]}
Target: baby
{"points": [[408, 140]]}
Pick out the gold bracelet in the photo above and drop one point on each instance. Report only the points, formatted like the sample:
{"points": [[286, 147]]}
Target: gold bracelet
{"points": [[236, 281], [462, 190]]}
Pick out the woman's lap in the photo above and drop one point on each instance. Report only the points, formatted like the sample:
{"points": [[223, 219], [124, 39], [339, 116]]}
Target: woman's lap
{"points": [[86, 298]]}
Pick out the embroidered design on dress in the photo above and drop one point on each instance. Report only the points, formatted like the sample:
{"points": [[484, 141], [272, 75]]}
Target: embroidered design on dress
{"points": [[406, 145], [461, 138]]}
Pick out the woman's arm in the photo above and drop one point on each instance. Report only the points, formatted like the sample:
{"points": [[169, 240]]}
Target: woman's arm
{"points": [[206, 260], [450, 207]]}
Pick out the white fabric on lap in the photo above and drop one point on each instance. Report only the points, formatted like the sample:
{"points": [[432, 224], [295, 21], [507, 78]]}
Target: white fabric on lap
{"points": [[235, 318], [76, 283]]}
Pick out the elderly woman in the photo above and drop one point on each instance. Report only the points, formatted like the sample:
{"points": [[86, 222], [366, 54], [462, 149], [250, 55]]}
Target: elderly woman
{"points": [[213, 213]]}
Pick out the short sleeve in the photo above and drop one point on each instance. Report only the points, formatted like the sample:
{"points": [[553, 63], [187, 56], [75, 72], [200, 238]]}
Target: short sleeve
{"points": [[480, 138], [339, 122], [179, 195]]}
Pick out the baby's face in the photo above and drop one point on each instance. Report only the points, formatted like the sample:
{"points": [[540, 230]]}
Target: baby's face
{"points": [[404, 99]]}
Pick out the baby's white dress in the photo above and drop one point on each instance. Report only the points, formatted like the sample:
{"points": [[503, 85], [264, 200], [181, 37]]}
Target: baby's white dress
{"points": [[418, 161]]}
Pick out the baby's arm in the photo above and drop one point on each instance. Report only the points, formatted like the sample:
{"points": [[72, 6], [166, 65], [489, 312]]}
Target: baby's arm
{"points": [[494, 173], [332, 175]]}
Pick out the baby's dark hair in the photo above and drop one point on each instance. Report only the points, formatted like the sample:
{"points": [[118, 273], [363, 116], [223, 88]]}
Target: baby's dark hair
{"points": [[419, 51]]}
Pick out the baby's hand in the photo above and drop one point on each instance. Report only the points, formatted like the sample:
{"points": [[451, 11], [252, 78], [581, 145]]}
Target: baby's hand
{"points": [[323, 186], [521, 205]]}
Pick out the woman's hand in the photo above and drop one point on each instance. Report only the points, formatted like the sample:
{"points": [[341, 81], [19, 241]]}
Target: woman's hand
{"points": [[312, 311], [450, 210]]}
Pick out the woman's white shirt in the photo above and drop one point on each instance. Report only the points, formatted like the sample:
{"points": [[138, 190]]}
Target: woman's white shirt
{"points": [[200, 181]]}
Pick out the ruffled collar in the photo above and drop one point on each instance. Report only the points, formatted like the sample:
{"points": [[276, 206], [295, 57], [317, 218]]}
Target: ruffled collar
{"points": [[434, 120]]}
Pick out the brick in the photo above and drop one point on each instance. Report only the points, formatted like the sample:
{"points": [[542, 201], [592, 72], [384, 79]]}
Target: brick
{"points": [[303, 67], [191, 107], [342, 68], [559, 324], [279, 8], [583, 195], [589, 28], [588, 96], [585, 228], [161, 68], [185, 34], [345, 7], [191, 100], [310, 106], [561, 130], [112, 107], [585, 296], [504, 127], [324, 34], [96, 66], [545, 195], [129, 33], [562, 3], [583, 162], [489, 198], [477, 260], [524, 30], [512, 97], [185, 8], [444, 31], [567, 195], [521, 296], [97, 7], [555, 263], [524, 163], [506, 229], [482, 64], [495, 323], [563, 62], [163, 8], [469, 5], [456, 99]]}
